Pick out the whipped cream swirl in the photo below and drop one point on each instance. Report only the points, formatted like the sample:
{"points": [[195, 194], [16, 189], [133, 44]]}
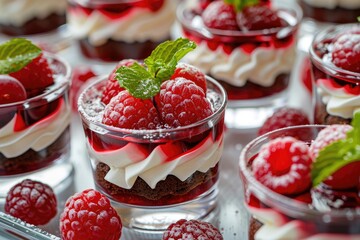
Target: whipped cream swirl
{"points": [[18, 12], [134, 160], [331, 4], [138, 25], [37, 136]]}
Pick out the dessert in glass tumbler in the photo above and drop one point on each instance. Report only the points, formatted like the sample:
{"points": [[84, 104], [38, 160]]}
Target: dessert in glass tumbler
{"points": [[335, 57], [156, 143], [304, 189], [34, 113], [28, 17], [250, 49], [114, 30]]}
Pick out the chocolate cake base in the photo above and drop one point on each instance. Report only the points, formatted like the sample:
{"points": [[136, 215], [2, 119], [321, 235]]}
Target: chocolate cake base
{"points": [[35, 26], [165, 190], [323, 117], [254, 226], [32, 160]]}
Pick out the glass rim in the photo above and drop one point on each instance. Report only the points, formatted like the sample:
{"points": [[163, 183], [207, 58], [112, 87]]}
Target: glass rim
{"points": [[102, 2], [143, 132], [332, 69], [209, 32], [286, 202], [67, 76]]}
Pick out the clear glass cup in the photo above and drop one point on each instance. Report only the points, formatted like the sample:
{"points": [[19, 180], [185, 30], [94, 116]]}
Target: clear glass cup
{"points": [[336, 90], [282, 217], [155, 177], [112, 30], [35, 134], [254, 66]]}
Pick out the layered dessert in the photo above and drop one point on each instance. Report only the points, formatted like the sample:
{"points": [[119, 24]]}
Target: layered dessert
{"points": [[155, 145], [332, 11], [304, 189], [115, 30], [250, 50], [27, 17], [34, 109], [335, 58]]}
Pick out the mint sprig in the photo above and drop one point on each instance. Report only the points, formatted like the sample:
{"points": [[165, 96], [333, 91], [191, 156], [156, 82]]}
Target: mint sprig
{"points": [[338, 154], [16, 54], [241, 4], [144, 81]]}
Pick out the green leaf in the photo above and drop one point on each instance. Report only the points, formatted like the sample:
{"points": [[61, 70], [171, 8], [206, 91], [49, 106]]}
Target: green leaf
{"points": [[16, 54], [337, 154], [240, 4]]}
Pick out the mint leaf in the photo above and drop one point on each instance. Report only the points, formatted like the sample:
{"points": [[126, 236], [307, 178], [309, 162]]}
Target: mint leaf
{"points": [[337, 154], [16, 54], [240, 4], [163, 60]]}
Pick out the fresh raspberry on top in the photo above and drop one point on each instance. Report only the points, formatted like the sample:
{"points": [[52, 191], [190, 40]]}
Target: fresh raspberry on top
{"points": [[11, 90], [191, 73], [181, 102], [192, 229], [89, 216], [220, 15], [113, 87], [283, 165], [126, 111], [258, 17], [347, 176], [37, 75], [346, 52], [31, 201], [284, 117]]}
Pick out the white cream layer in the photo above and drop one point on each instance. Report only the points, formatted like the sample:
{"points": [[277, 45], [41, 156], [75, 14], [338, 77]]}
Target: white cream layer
{"points": [[37, 136], [18, 12], [133, 161], [262, 66], [338, 101], [139, 25], [331, 4]]}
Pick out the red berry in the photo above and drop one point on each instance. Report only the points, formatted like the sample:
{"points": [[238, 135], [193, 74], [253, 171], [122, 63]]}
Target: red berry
{"points": [[259, 17], [284, 117], [191, 73], [192, 229], [204, 3], [11, 90], [113, 87], [89, 216], [126, 111], [346, 52], [181, 102], [347, 176], [31, 201], [36, 75], [220, 15], [80, 75], [283, 165]]}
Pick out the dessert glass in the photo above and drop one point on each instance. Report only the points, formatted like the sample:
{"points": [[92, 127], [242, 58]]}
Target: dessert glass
{"points": [[35, 134], [337, 91], [284, 217], [254, 66], [155, 177], [113, 30]]}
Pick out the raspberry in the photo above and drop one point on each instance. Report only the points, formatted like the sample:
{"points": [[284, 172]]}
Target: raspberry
{"points": [[258, 17], [31, 201], [126, 111], [89, 216], [113, 87], [191, 229], [283, 165], [80, 76], [346, 52], [284, 117], [347, 176], [220, 15], [11, 90], [191, 73], [36, 75], [181, 102]]}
